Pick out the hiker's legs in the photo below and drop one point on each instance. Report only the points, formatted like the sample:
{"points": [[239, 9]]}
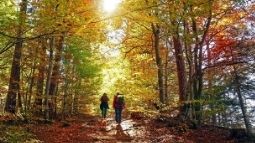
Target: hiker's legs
{"points": [[104, 111], [115, 114], [118, 115]]}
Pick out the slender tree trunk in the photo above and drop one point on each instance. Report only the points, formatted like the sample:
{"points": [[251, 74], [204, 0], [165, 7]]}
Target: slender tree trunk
{"points": [[210, 83], [28, 95], [224, 114], [40, 77], [55, 75], [64, 102], [189, 59], [198, 58], [48, 80], [166, 75], [199, 87], [237, 86], [242, 105], [196, 76], [32, 81], [70, 85], [20, 101], [76, 98], [156, 34], [14, 86], [181, 73], [66, 98]]}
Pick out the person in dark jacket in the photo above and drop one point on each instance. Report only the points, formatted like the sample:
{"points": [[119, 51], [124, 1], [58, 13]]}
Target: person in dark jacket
{"points": [[104, 104], [118, 105]]}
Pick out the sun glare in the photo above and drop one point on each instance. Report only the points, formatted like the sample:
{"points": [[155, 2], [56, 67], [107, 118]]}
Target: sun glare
{"points": [[109, 52], [110, 5]]}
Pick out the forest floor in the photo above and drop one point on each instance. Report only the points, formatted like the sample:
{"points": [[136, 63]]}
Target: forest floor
{"points": [[93, 129]]}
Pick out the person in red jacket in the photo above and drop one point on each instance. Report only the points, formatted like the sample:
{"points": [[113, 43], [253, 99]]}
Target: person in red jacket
{"points": [[118, 105]]}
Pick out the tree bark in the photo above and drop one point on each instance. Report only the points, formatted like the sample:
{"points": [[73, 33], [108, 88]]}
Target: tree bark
{"points": [[189, 59], [166, 75], [156, 34], [76, 97], [48, 80], [55, 75], [198, 59], [14, 86], [67, 101], [29, 91], [181, 73], [241, 102], [40, 77], [237, 88]]}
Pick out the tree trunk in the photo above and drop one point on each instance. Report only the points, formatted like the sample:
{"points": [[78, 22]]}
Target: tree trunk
{"points": [[243, 108], [48, 80], [64, 102], [32, 81], [237, 87], [156, 34], [55, 75], [76, 97], [166, 75], [40, 76], [189, 59], [14, 86], [181, 73], [210, 83], [198, 60], [30, 85], [67, 101]]}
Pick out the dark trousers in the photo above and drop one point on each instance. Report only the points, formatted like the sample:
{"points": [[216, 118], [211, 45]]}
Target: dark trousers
{"points": [[118, 115], [104, 112]]}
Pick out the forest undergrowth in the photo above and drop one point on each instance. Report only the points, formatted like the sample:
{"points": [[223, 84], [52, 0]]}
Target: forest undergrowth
{"points": [[134, 128]]}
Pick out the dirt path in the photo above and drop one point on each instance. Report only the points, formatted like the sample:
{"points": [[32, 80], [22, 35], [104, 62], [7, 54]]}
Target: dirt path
{"points": [[93, 129], [127, 131]]}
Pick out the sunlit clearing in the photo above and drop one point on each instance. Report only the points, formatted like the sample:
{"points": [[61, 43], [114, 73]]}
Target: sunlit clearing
{"points": [[109, 52], [114, 71], [116, 36], [110, 5]]}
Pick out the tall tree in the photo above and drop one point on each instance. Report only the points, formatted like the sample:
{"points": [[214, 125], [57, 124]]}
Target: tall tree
{"points": [[14, 86], [156, 46], [40, 75]]}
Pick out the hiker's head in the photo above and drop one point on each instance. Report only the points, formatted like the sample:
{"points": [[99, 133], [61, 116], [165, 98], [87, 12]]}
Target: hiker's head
{"points": [[119, 94], [104, 94]]}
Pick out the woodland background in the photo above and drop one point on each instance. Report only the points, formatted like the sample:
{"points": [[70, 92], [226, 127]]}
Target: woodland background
{"points": [[193, 59]]}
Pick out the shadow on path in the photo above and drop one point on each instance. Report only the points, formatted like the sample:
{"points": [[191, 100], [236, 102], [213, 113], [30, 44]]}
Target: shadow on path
{"points": [[127, 131], [121, 135]]}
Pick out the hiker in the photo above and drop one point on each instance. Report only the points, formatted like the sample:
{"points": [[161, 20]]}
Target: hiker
{"points": [[119, 105], [104, 104]]}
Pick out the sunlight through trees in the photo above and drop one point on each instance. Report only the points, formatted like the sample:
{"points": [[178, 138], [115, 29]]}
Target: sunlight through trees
{"points": [[192, 60], [110, 5]]}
